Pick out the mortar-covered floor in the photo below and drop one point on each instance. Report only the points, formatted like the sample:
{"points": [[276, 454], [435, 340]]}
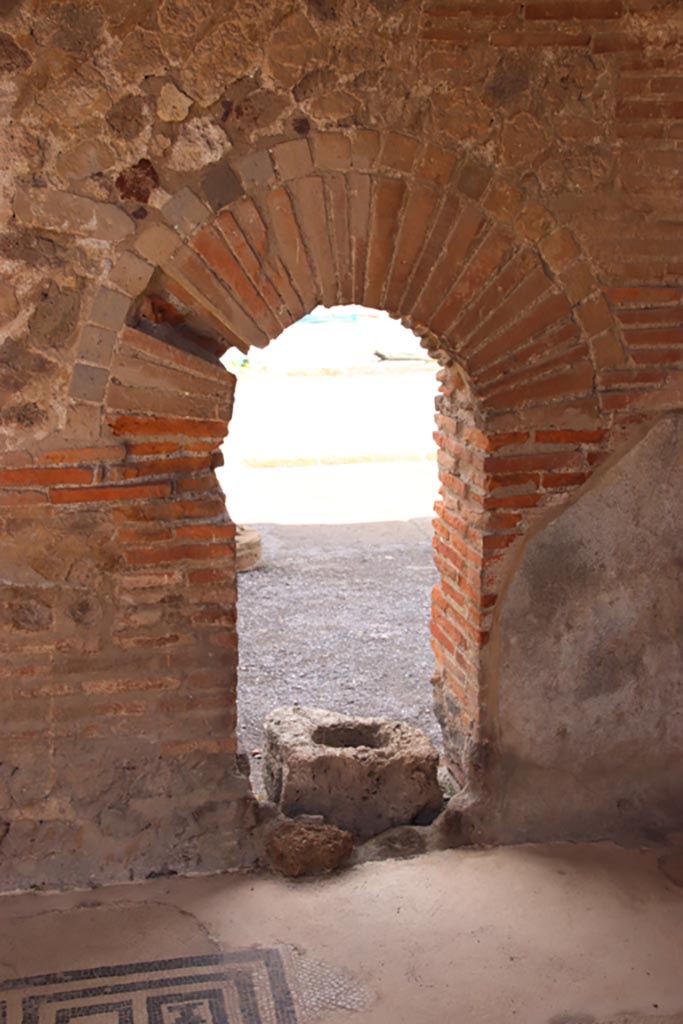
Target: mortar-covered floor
{"points": [[568, 934]]}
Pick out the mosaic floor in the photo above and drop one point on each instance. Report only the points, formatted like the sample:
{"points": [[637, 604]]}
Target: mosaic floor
{"points": [[252, 986]]}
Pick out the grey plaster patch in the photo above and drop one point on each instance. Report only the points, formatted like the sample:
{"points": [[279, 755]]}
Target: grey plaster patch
{"points": [[590, 704]]}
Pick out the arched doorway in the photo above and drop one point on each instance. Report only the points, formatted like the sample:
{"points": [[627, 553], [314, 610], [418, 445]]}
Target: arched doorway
{"points": [[331, 458]]}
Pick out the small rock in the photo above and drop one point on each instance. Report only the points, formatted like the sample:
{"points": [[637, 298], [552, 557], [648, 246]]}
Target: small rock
{"points": [[200, 142], [296, 849], [172, 104]]}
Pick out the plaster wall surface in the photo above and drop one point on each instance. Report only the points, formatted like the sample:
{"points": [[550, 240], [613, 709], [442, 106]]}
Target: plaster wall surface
{"points": [[590, 726]]}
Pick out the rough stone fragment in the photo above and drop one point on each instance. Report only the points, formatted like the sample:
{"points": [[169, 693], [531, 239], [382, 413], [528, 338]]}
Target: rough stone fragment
{"points": [[256, 168], [91, 156], [199, 142], [124, 16], [109, 308], [12, 57], [96, 344], [23, 414], [30, 613], [326, 10], [78, 26], [523, 140], [221, 56], [293, 44], [73, 215], [55, 317], [254, 111], [185, 211], [299, 848], [172, 104], [157, 243], [27, 247], [127, 117], [131, 274], [19, 365], [138, 182], [510, 78], [82, 421], [89, 382], [221, 185], [362, 774]]}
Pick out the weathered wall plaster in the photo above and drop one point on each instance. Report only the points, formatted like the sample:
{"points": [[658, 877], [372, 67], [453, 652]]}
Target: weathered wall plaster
{"points": [[590, 714]]}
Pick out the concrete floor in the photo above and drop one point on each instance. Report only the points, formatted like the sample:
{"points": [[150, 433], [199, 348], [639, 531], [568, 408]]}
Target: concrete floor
{"points": [[564, 934]]}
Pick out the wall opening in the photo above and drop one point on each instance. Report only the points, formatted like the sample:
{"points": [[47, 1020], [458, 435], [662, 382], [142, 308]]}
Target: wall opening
{"points": [[331, 458]]}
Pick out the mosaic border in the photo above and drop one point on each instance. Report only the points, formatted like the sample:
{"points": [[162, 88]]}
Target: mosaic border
{"points": [[165, 988]]}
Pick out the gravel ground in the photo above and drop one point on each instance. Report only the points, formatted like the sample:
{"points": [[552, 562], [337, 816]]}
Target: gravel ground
{"points": [[337, 617]]}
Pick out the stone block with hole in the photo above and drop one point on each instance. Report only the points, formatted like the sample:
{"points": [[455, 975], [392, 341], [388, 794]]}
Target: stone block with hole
{"points": [[363, 774]]}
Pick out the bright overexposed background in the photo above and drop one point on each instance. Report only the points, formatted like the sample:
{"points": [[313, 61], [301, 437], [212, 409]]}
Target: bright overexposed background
{"points": [[324, 431]]}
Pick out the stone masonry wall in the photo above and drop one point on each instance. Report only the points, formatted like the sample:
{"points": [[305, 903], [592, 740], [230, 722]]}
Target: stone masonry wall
{"points": [[184, 178]]}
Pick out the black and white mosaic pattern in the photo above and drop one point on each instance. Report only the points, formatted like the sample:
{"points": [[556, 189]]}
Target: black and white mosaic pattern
{"points": [[251, 986]]}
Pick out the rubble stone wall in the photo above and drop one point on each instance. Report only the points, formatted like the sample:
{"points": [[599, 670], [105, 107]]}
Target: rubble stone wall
{"points": [[180, 178]]}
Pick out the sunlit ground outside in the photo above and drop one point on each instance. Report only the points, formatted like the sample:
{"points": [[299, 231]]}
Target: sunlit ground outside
{"points": [[325, 431]]}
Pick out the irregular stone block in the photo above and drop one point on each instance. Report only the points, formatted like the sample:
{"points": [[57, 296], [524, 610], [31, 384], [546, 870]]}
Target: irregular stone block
{"points": [[300, 848], [89, 382], [74, 215], [362, 774], [221, 185], [172, 104], [131, 274], [91, 156], [185, 211], [109, 309]]}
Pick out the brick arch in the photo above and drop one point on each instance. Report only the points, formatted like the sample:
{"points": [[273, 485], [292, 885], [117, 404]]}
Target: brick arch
{"points": [[501, 293], [391, 221], [535, 392]]}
